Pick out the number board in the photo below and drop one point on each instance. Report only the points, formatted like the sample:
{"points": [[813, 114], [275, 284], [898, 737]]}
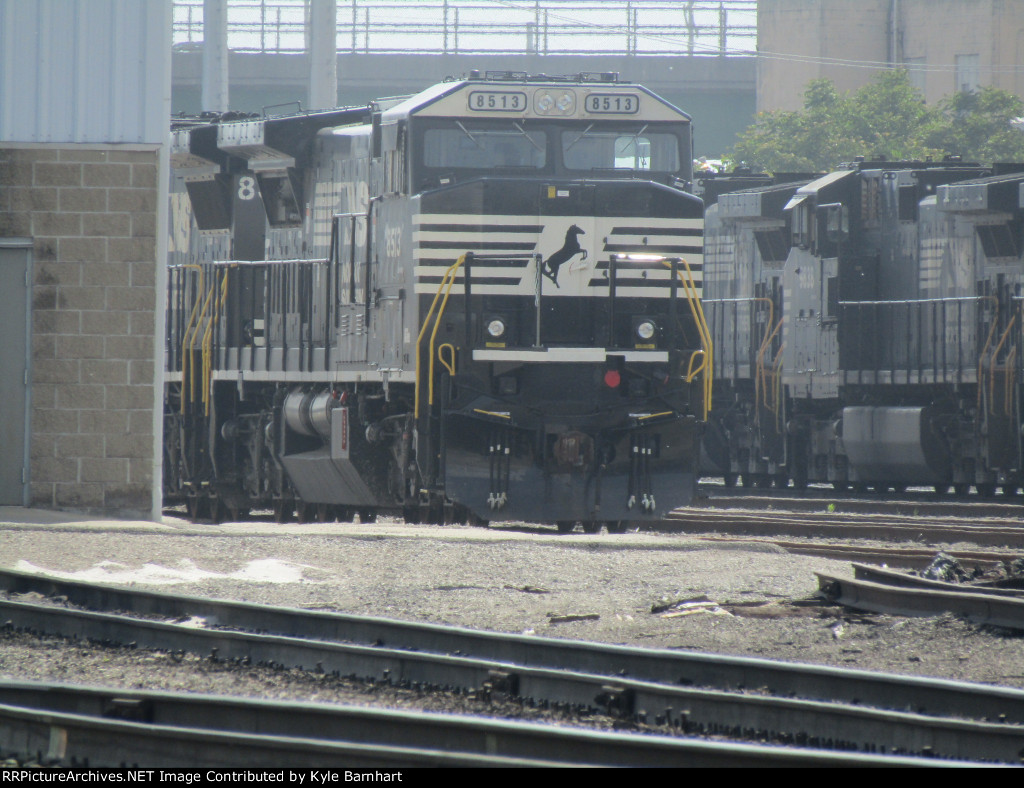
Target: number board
{"points": [[497, 101], [612, 103]]}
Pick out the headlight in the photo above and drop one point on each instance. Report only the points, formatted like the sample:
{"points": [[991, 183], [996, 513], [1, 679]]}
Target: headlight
{"points": [[645, 329], [496, 328]]}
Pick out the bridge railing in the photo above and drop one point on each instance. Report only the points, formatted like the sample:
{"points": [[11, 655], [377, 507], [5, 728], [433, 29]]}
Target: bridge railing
{"points": [[545, 27]]}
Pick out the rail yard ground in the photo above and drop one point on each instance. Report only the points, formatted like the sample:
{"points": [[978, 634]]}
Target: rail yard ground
{"points": [[743, 597]]}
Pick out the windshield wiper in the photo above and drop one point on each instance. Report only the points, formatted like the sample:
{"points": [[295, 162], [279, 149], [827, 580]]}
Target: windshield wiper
{"points": [[636, 141], [584, 134], [466, 132], [528, 137]]}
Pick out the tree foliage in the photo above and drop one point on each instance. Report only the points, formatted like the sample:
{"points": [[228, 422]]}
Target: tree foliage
{"points": [[885, 119]]}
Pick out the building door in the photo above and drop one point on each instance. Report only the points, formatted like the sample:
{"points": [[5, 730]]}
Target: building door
{"points": [[15, 261]]}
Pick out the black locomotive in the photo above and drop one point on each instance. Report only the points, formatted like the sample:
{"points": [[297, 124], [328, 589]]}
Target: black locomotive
{"points": [[868, 328], [479, 302]]}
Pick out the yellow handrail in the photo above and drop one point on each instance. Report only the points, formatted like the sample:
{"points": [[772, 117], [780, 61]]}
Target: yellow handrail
{"points": [[707, 366], [777, 387], [208, 340], [761, 378], [186, 342], [992, 366], [448, 278], [984, 350], [449, 365]]}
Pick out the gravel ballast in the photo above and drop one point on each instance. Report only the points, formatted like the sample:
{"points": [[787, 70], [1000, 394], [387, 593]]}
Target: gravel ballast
{"points": [[751, 598]]}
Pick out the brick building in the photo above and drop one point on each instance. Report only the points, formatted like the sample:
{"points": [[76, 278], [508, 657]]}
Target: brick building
{"points": [[84, 102], [947, 45]]}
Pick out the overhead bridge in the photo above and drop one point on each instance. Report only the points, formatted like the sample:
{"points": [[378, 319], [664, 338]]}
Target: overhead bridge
{"points": [[697, 54]]}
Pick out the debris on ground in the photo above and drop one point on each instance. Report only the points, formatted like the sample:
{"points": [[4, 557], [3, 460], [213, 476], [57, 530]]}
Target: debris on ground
{"points": [[687, 607], [570, 617], [528, 589], [1003, 574], [946, 568]]}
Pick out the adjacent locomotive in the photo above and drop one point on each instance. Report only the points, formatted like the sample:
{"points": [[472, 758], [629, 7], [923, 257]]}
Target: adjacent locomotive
{"points": [[868, 328], [479, 302]]}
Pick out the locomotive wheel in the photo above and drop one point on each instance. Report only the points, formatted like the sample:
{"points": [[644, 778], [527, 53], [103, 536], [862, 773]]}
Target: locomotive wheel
{"points": [[617, 526], [367, 515], [217, 511], [303, 512], [283, 511], [961, 489], [729, 480], [195, 506], [566, 526], [942, 489], [591, 527], [840, 486], [325, 513], [411, 514], [986, 489]]}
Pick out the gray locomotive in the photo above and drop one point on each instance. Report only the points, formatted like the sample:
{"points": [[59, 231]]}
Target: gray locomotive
{"points": [[481, 302], [868, 328]]}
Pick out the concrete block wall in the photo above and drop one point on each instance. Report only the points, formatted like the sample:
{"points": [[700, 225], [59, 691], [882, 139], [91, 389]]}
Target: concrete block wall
{"points": [[91, 211]]}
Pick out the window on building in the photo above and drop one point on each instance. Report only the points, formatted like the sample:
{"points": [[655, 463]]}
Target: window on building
{"points": [[968, 73], [916, 72]]}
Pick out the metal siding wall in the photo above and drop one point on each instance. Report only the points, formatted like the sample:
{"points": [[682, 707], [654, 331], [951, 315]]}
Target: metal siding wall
{"points": [[85, 71]]}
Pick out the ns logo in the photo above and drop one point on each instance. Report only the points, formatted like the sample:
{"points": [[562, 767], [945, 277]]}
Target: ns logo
{"points": [[570, 249]]}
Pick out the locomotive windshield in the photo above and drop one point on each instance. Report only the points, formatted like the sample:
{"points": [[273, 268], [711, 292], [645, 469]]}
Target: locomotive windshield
{"points": [[487, 147], [473, 147], [620, 149]]}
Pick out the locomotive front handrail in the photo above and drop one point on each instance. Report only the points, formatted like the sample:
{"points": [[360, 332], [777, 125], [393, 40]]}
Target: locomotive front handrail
{"points": [[448, 278], [185, 344]]}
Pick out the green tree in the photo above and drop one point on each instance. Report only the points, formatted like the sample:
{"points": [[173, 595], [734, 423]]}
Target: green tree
{"points": [[801, 141], [977, 126], [887, 118]]}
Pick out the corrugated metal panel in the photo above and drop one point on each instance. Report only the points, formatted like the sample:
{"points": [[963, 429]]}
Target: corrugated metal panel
{"points": [[85, 71]]}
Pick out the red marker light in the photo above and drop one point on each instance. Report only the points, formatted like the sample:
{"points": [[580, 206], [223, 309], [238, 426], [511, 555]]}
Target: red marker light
{"points": [[612, 379]]}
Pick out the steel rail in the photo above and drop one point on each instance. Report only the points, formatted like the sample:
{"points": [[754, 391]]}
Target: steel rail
{"points": [[840, 526], [896, 600], [906, 557], [73, 739], [867, 518], [677, 667], [616, 694], [877, 574], [844, 727], [812, 500], [419, 731]]}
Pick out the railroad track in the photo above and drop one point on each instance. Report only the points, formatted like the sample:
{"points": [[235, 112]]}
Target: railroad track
{"points": [[815, 499], [868, 717], [884, 591], [1003, 532]]}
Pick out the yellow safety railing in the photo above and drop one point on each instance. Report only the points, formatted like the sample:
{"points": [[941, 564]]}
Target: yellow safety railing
{"points": [[988, 343], [761, 388], [992, 365], [207, 345], [186, 342], [450, 363], [707, 362], [446, 286]]}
